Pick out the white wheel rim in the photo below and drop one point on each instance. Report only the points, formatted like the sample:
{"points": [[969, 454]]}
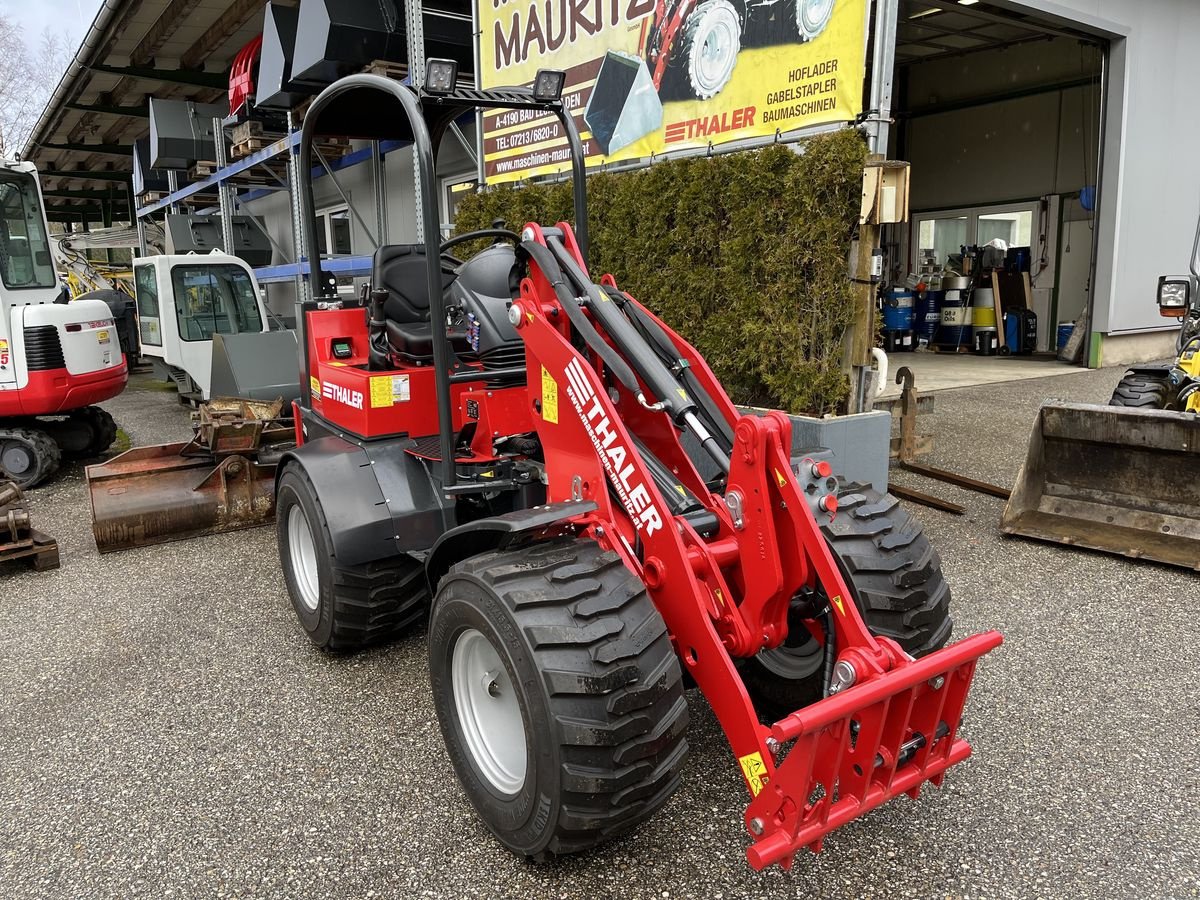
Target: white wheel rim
{"points": [[302, 555], [489, 713], [716, 45], [812, 16]]}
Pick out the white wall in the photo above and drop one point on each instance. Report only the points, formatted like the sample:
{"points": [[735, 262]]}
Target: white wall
{"points": [[1151, 185]]}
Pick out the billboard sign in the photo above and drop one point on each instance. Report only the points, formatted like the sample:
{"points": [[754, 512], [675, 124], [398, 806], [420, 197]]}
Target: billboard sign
{"points": [[646, 77]]}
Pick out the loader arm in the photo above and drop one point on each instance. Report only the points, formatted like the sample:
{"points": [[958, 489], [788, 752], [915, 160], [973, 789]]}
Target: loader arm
{"points": [[724, 570]]}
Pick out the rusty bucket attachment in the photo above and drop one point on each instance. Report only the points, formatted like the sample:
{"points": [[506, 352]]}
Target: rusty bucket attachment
{"points": [[1117, 479], [624, 106], [221, 480]]}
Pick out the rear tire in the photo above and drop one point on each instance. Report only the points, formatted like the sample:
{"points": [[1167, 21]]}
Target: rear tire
{"points": [[103, 426], [578, 734], [340, 607], [1142, 390], [895, 577], [28, 456]]}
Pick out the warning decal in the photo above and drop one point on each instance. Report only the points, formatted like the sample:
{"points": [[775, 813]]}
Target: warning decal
{"points": [[549, 397], [755, 771]]}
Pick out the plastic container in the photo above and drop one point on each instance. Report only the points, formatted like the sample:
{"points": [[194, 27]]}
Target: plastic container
{"points": [[1065, 330]]}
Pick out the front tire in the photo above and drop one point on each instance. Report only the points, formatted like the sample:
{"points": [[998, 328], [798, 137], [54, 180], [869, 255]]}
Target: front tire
{"points": [[559, 695], [340, 607], [895, 577]]}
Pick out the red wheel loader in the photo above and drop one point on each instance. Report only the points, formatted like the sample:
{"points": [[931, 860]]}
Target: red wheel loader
{"points": [[56, 358], [530, 461]]}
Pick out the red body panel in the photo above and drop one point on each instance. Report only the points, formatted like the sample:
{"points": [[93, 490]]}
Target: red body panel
{"points": [[241, 75], [374, 404], [55, 391]]}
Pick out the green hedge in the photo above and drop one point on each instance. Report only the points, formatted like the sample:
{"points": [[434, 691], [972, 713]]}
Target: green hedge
{"points": [[745, 255]]}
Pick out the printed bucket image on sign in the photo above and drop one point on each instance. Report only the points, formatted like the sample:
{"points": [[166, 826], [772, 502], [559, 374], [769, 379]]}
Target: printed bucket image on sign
{"points": [[624, 105]]}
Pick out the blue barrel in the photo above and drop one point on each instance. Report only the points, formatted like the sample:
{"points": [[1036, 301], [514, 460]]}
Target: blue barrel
{"points": [[927, 315], [898, 311]]}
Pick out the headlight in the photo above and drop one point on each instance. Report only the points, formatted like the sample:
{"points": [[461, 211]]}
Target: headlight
{"points": [[1173, 296]]}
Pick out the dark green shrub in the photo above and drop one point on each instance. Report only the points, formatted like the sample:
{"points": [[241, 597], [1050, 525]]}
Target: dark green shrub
{"points": [[745, 255]]}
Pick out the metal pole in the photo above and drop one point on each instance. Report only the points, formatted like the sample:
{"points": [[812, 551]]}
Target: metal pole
{"points": [[414, 15], [172, 187], [224, 187], [883, 68], [293, 177], [883, 64], [379, 180]]}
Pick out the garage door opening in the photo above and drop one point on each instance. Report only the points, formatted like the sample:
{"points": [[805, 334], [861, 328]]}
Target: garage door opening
{"points": [[999, 113]]}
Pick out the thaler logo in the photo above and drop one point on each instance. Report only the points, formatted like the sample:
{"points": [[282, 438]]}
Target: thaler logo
{"points": [[613, 453], [706, 126], [331, 391]]}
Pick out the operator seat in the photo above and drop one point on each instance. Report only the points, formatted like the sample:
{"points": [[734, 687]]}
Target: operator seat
{"points": [[399, 269]]}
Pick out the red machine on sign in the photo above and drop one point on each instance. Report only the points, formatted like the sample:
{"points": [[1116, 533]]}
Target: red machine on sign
{"points": [[539, 465]]}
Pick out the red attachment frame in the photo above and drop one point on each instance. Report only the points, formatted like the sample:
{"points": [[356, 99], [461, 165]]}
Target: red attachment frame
{"points": [[728, 595], [241, 75]]}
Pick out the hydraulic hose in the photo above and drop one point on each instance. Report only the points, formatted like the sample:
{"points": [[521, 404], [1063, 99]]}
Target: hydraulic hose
{"points": [[554, 274]]}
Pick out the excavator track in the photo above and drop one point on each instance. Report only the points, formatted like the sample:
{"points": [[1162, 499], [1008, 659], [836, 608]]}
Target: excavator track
{"points": [[28, 456]]}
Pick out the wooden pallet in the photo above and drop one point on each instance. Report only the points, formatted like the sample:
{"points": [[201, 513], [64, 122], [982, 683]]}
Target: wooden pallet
{"points": [[387, 68], [38, 550], [253, 144]]}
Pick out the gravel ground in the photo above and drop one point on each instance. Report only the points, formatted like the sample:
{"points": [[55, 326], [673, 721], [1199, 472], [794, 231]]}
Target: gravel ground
{"points": [[166, 730]]}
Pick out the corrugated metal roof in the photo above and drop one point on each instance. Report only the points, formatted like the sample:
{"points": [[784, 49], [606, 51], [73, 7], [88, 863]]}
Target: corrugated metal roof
{"points": [[171, 49]]}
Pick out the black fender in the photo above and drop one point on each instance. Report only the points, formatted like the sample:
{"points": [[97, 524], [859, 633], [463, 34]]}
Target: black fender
{"points": [[378, 500], [497, 533]]}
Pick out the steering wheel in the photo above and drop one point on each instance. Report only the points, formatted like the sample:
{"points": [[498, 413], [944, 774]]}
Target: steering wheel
{"points": [[475, 236]]}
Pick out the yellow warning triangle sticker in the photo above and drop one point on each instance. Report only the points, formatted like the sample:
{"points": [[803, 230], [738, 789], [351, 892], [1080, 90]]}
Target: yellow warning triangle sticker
{"points": [[529, 316], [837, 601], [779, 477], [680, 488]]}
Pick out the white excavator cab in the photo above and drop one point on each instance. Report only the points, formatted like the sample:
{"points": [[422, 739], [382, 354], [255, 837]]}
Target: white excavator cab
{"points": [[183, 303]]}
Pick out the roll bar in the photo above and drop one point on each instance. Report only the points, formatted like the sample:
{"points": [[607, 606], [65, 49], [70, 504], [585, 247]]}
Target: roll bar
{"points": [[378, 108]]}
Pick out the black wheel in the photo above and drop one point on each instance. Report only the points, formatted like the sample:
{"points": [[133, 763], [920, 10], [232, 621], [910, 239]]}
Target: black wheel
{"points": [[340, 607], [706, 52], [103, 428], [1144, 390], [559, 695], [28, 456], [896, 580], [83, 433]]}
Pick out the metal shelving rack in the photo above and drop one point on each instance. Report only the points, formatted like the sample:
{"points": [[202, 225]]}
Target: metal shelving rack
{"points": [[224, 182]]}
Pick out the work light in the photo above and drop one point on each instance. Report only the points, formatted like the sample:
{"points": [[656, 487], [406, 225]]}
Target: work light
{"points": [[1173, 296], [441, 75], [548, 84]]}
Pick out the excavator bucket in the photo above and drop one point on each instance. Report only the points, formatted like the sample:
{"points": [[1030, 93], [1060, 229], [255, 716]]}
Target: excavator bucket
{"points": [[221, 480], [1111, 478]]}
